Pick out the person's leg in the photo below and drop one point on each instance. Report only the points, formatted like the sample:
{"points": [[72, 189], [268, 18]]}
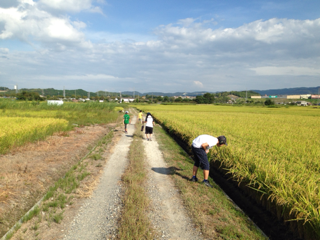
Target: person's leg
{"points": [[196, 164], [151, 131], [205, 174], [194, 171], [204, 163], [147, 133]]}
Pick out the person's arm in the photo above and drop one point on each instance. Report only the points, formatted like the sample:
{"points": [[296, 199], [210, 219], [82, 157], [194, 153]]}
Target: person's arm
{"points": [[205, 147]]}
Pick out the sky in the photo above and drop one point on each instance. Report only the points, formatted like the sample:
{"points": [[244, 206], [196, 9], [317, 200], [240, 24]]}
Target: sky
{"points": [[160, 45]]}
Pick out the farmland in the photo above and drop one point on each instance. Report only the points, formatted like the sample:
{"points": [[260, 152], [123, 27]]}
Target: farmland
{"points": [[39, 144], [274, 151], [23, 122]]}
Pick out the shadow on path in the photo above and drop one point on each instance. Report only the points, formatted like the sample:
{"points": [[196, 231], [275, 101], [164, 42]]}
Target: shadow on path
{"points": [[169, 171]]}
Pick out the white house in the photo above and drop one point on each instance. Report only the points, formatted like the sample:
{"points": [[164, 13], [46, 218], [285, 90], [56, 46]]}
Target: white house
{"points": [[126, 100], [55, 102]]}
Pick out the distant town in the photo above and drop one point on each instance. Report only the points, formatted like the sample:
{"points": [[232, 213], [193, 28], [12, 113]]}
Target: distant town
{"points": [[231, 97]]}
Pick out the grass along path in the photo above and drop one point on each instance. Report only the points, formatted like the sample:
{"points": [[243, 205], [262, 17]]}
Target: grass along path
{"points": [[134, 223], [212, 212]]}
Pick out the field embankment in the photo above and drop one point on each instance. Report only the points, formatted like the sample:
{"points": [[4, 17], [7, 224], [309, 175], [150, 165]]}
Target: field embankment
{"points": [[273, 152]]}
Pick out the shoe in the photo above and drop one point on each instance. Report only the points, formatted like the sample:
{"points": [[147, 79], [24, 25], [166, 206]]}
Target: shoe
{"points": [[194, 179], [147, 139], [150, 139], [207, 184]]}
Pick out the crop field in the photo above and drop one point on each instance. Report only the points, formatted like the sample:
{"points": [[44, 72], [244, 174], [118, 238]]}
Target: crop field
{"points": [[272, 150], [17, 130], [22, 122]]}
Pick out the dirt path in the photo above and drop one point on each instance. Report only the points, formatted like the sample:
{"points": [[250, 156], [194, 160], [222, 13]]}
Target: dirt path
{"points": [[97, 217], [168, 215]]}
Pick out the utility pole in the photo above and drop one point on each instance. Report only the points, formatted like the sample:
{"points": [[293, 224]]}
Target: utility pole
{"points": [[75, 93], [64, 92]]}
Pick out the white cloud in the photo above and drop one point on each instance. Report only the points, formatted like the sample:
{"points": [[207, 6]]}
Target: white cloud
{"points": [[4, 50], [30, 24], [189, 51], [68, 5], [87, 77], [198, 83], [288, 71]]}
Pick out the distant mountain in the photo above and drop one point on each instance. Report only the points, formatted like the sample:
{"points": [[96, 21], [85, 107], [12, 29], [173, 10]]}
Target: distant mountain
{"points": [[289, 91], [83, 93]]}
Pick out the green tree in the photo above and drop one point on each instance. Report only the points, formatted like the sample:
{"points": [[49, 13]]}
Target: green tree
{"points": [[208, 98], [200, 99], [268, 102], [31, 96]]}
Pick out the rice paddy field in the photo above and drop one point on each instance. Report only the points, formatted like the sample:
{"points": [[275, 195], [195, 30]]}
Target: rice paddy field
{"points": [[22, 122], [274, 151]]}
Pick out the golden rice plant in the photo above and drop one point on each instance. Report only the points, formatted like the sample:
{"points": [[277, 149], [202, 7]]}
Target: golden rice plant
{"points": [[275, 151], [15, 131]]}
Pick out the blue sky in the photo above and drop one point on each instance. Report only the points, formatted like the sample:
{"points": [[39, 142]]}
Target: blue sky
{"points": [[160, 45]]}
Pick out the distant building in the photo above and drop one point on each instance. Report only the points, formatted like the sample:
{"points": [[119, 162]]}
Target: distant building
{"points": [[293, 96], [55, 102], [255, 97], [302, 103], [315, 96], [126, 100], [305, 96]]}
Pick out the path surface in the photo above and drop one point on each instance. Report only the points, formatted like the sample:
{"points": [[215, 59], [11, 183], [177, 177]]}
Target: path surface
{"points": [[97, 218], [168, 214]]}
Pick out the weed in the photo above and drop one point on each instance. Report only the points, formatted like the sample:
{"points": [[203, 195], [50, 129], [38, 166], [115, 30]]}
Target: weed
{"points": [[35, 227], [58, 217], [96, 156], [31, 214]]}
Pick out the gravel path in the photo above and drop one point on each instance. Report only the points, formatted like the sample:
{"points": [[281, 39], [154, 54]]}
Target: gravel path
{"points": [[97, 218], [168, 214]]}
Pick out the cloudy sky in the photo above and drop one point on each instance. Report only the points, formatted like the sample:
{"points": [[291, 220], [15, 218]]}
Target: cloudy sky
{"points": [[160, 45]]}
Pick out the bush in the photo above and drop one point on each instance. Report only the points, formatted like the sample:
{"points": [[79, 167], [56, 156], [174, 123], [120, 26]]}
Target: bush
{"points": [[268, 102]]}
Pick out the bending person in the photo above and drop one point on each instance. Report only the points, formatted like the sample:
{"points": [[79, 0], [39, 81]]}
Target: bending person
{"points": [[200, 148]]}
